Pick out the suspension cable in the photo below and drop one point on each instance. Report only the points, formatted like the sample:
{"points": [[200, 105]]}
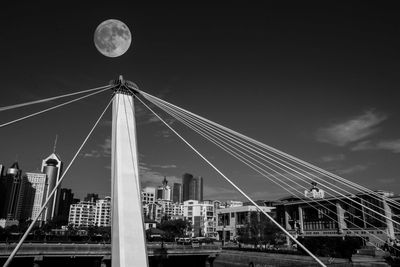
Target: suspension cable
{"points": [[285, 155], [263, 172], [200, 130], [54, 107], [11, 257], [247, 149], [51, 98], [234, 185], [235, 134]]}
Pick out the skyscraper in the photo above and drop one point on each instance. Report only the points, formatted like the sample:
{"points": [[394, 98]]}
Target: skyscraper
{"points": [[65, 201], [187, 179], [52, 167], [198, 188], [164, 191], [34, 194], [1, 170], [177, 193], [11, 195], [192, 187]]}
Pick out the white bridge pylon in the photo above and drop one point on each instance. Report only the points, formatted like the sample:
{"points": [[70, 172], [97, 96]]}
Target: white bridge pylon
{"points": [[128, 235]]}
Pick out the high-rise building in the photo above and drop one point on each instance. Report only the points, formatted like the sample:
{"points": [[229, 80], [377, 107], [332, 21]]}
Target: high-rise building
{"points": [[187, 179], [164, 191], [82, 214], [34, 194], [52, 167], [11, 194], [103, 212], [92, 197], [192, 187], [65, 201], [86, 213], [177, 193], [198, 188], [1, 170]]}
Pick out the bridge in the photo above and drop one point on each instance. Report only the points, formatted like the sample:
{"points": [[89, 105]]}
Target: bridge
{"points": [[156, 251], [293, 175]]}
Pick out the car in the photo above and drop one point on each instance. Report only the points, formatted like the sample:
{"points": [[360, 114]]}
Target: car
{"points": [[195, 243], [183, 241]]}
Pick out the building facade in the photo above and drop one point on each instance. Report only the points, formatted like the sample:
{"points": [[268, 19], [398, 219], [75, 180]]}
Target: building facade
{"points": [[170, 210], [350, 215], [148, 195], [88, 214], [164, 191], [82, 214], [192, 187], [65, 201], [11, 185], [153, 211], [201, 216], [35, 192], [177, 193], [52, 167], [231, 220], [103, 212]]}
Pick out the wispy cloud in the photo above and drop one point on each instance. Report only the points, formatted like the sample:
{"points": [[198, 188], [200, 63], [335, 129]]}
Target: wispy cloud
{"points": [[149, 177], [352, 130], [352, 169], [390, 145], [386, 180], [220, 193], [104, 150], [167, 166], [333, 158]]}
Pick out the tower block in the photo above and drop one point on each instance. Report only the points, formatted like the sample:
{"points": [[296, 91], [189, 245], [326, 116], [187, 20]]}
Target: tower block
{"points": [[128, 236]]}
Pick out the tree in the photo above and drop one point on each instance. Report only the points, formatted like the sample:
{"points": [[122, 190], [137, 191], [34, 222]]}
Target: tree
{"points": [[259, 229], [175, 228]]}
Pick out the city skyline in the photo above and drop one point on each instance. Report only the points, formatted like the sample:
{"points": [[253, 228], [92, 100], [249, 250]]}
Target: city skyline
{"points": [[319, 82]]}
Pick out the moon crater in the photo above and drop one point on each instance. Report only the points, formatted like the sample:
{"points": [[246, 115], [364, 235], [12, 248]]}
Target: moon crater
{"points": [[112, 38]]}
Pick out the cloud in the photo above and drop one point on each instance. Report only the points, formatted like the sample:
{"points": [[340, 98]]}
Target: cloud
{"points": [[149, 177], [352, 169], [103, 151], [386, 180], [168, 166], [390, 145], [333, 158], [220, 193], [352, 130]]}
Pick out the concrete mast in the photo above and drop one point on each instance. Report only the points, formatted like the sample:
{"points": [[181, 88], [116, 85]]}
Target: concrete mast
{"points": [[128, 236]]}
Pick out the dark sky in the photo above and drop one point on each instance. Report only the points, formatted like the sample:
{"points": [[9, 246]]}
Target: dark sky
{"points": [[319, 81]]}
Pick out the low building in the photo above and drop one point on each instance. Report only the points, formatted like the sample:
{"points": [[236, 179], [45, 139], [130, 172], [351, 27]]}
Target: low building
{"points": [[201, 215], [349, 215], [153, 211], [170, 210], [230, 220], [149, 224], [149, 195]]}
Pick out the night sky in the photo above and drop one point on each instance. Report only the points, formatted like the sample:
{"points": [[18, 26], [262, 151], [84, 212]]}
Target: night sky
{"points": [[320, 82]]}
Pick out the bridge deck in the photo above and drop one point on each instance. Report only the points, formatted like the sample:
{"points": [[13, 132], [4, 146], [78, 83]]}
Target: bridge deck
{"points": [[95, 250]]}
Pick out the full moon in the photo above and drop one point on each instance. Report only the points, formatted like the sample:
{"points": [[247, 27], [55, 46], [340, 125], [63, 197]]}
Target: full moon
{"points": [[112, 38]]}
